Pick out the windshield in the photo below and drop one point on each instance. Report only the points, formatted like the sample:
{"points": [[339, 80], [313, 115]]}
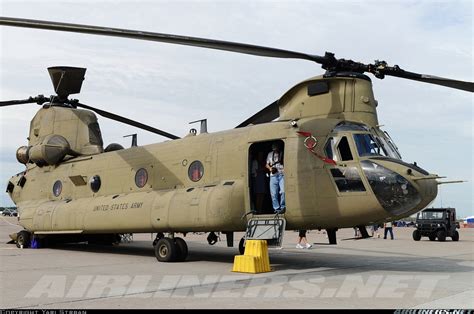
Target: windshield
{"points": [[375, 144], [431, 215], [368, 141], [368, 145], [387, 143]]}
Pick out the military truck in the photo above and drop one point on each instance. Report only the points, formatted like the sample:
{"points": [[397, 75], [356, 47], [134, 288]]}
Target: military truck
{"points": [[436, 223]]}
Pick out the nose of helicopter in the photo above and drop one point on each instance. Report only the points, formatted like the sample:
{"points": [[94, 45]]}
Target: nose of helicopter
{"points": [[400, 188]]}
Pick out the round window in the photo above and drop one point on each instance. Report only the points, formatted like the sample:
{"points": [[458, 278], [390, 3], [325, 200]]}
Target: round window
{"points": [[195, 171], [94, 183], [141, 177], [57, 188]]}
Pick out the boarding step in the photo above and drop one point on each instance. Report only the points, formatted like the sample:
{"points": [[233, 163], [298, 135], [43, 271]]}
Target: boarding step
{"points": [[266, 227]]}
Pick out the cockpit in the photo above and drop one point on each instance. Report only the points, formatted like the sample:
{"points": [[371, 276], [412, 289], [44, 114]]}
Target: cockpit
{"points": [[359, 151], [368, 142]]}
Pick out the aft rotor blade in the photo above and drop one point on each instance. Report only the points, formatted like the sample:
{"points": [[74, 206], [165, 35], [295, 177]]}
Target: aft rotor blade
{"points": [[118, 118], [159, 37], [38, 100], [267, 114], [462, 85]]}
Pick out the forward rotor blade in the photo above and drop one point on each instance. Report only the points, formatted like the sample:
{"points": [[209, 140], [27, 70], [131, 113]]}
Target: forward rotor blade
{"points": [[118, 118], [267, 114], [328, 61], [462, 85], [159, 37]]}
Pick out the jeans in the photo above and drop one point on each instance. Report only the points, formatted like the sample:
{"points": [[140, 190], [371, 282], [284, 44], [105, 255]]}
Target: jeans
{"points": [[277, 186], [388, 229]]}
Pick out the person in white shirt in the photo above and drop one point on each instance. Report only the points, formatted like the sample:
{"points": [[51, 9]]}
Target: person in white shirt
{"points": [[388, 228], [277, 179]]}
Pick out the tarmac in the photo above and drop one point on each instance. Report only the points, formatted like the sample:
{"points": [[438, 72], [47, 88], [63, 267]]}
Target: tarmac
{"points": [[373, 273]]}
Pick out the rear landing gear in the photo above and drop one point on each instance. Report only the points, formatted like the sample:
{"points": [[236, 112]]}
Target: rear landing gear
{"points": [[170, 249]]}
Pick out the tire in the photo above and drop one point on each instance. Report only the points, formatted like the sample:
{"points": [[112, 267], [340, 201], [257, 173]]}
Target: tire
{"points": [[23, 239], [416, 235], [182, 249], [432, 237], [455, 236], [242, 246], [441, 235], [166, 250]]}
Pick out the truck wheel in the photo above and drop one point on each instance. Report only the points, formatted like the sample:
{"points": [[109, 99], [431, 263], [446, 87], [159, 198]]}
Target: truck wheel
{"points": [[455, 236], [166, 250], [441, 235], [23, 239], [416, 235], [432, 237]]}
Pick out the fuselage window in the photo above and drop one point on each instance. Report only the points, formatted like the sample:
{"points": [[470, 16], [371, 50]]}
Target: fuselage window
{"points": [[195, 171], [57, 188], [95, 183], [141, 177], [344, 149], [347, 179]]}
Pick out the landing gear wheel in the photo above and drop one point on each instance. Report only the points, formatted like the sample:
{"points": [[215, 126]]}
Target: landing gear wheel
{"points": [[159, 235], [432, 237], [416, 235], [166, 250], [455, 236], [182, 249], [242, 246], [23, 239], [441, 235]]}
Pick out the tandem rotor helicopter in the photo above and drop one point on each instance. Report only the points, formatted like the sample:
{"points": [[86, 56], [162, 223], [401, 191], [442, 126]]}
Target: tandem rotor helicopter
{"points": [[340, 168]]}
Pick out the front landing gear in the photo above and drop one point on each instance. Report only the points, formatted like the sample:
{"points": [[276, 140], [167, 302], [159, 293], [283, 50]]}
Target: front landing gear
{"points": [[23, 239], [170, 249]]}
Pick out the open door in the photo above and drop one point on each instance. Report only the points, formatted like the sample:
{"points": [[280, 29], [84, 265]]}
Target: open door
{"points": [[259, 176]]}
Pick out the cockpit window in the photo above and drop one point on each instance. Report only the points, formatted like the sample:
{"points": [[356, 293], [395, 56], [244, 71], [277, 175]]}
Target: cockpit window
{"points": [[350, 126], [329, 149], [347, 179], [368, 145], [333, 147], [344, 149], [387, 143]]}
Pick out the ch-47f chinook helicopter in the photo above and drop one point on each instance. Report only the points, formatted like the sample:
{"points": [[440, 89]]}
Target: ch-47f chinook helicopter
{"points": [[341, 170]]}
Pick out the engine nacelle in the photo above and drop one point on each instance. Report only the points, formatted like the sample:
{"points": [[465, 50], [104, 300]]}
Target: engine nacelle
{"points": [[50, 151]]}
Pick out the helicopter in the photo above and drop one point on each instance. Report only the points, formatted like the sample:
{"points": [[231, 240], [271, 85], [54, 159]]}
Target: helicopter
{"points": [[340, 168]]}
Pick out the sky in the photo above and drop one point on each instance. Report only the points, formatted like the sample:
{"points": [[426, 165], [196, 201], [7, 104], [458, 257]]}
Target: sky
{"points": [[167, 86]]}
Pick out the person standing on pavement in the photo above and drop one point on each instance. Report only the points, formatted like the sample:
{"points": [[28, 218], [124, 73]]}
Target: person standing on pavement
{"points": [[388, 228]]}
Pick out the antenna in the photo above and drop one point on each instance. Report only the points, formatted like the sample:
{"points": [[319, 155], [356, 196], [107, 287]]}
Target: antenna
{"points": [[203, 125], [134, 139]]}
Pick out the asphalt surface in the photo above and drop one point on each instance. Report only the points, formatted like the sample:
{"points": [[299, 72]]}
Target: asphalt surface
{"points": [[371, 273]]}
